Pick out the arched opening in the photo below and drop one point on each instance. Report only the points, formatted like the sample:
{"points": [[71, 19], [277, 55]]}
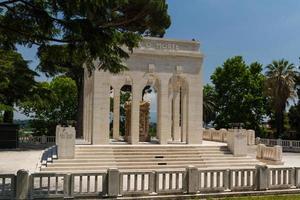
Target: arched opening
{"points": [[124, 119], [178, 108], [148, 115], [111, 111]]}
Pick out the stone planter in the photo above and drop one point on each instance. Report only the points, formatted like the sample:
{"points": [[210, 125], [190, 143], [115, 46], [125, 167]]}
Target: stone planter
{"points": [[9, 136]]}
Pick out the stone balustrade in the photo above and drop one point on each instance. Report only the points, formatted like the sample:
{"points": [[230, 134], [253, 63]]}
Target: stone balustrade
{"points": [[287, 145], [114, 183], [272, 155], [37, 140], [221, 135]]}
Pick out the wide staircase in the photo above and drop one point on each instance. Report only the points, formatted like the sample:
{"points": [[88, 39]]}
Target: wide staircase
{"points": [[91, 158]]}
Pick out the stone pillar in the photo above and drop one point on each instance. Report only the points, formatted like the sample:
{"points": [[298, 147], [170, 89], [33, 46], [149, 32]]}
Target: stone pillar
{"points": [[277, 157], [164, 119], [85, 104], [66, 142], [183, 115], [251, 137], [259, 150], [176, 116], [57, 134], [192, 180], [44, 139], [116, 120], [135, 114], [113, 182], [100, 108], [194, 119], [89, 118], [237, 142], [262, 177], [22, 183]]}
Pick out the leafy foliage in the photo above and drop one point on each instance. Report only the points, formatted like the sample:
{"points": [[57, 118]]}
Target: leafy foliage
{"points": [[53, 103], [294, 111], [16, 82], [279, 86], [209, 103], [239, 93], [97, 29], [73, 34]]}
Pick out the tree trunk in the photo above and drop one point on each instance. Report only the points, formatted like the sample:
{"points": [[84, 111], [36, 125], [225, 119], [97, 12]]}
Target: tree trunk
{"points": [[8, 116], [279, 123]]}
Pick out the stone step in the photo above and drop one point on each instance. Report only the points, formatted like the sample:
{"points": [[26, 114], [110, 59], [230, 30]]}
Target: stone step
{"points": [[140, 159], [148, 147], [152, 153], [147, 167], [143, 163], [151, 149]]}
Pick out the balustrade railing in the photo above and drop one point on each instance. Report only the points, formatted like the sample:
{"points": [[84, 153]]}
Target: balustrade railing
{"points": [[213, 180], [242, 179], [7, 186], [170, 182], [136, 182], [88, 184], [37, 140], [48, 185], [287, 145], [281, 178], [141, 183], [221, 135]]}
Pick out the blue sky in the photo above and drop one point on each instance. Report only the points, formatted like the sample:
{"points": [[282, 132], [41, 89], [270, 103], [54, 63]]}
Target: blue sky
{"points": [[258, 30]]}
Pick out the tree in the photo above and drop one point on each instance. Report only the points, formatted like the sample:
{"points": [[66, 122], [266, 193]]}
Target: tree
{"points": [[16, 82], [209, 103], [239, 93], [53, 103], [72, 33], [96, 29], [294, 111], [279, 86]]}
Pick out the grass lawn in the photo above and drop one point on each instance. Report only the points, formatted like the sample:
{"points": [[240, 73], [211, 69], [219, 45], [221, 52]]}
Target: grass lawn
{"points": [[277, 197]]}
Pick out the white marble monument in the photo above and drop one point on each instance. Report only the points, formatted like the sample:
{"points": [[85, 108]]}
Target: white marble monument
{"points": [[174, 69]]}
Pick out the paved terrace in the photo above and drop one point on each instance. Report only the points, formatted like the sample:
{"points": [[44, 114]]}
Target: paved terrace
{"points": [[13, 160]]}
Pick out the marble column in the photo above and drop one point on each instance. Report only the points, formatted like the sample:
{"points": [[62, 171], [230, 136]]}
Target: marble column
{"points": [[100, 106], [183, 114], [116, 120], [84, 127], [90, 110], [164, 113], [194, 112], [176, 116], [135, 114]]}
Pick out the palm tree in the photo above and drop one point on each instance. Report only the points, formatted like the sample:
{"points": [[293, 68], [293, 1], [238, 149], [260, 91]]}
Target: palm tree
{"points": [[280, 84], [209, 103]]}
